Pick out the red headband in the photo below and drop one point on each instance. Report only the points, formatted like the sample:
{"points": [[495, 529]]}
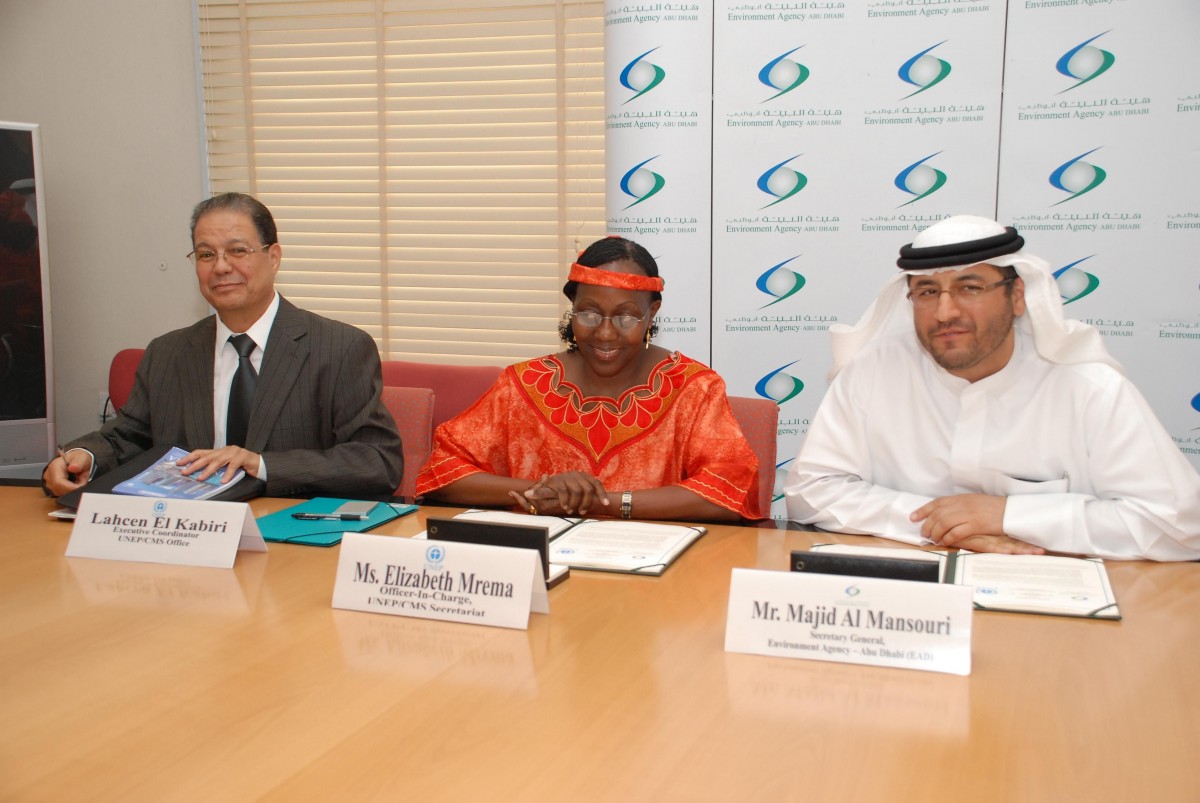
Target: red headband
{"points": [[610, 278]]}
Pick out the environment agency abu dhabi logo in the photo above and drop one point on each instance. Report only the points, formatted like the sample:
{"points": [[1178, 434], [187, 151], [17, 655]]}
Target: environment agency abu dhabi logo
{"points": [[779, 282], [641, 183], [1084, 62], [778, 386], [783, 74], [641, 75], [920, 180], [1077, 177], [924, 71], [782, 182], [1074, 282]]}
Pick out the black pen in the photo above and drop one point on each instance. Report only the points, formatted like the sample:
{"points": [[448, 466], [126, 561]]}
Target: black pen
{"points": [[328, 517]]}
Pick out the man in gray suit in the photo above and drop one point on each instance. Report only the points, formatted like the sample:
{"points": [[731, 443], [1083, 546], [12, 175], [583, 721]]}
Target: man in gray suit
{"points": [[296, 403]]}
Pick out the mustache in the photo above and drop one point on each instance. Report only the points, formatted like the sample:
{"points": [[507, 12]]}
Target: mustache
{"points": [[946, 326]]}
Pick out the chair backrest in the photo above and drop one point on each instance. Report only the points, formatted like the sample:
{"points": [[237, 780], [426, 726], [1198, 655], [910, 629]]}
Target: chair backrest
{"points": [[759, 420], [412, 409], [120, 376], [455, 387]]}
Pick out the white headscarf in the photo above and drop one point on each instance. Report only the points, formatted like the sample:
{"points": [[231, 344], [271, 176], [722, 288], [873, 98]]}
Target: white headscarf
{"points": [[1056, 339]]}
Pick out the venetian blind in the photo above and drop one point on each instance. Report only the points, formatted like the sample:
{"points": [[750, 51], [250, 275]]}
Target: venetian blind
{"points": [[433, 165]]}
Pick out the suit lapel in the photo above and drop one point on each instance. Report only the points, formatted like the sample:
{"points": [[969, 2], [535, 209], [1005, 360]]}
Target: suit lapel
{"points": [[287, 351], [196, 384]]}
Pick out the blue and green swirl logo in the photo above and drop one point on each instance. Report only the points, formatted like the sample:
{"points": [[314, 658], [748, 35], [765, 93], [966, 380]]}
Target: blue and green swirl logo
{"points": [[783, 74], [919, 180], [778, 386], [640, 183], [1084, 62], [779, 282], [1073, 282], [640, 76], [1077, 177], [782, 182], [924, 71]]}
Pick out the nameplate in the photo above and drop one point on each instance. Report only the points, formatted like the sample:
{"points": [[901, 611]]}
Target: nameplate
{"points": [[183, 532], [454, 582], [854, 620]]}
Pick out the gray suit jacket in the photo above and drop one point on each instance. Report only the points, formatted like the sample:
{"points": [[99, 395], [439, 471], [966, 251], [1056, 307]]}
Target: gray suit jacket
{"points": [[318, 419]]}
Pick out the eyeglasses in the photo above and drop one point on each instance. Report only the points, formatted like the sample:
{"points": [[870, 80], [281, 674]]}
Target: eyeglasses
{"points": [[234, 256], [591, 319], [964, 294]]}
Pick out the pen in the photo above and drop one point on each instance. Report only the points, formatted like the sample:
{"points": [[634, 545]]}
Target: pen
{"points": [[70, 477], [328, 517]]}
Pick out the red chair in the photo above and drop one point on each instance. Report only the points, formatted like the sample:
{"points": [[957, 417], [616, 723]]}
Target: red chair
{"points": [[412, 410], [455, 387], [759, 420], [120, 376]]}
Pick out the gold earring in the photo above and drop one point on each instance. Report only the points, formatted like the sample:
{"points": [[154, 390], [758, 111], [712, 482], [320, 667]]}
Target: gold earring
{"points": [[647, 337]]}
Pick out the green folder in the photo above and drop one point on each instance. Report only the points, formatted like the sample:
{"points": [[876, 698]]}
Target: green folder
{"points": [[282, 526]]}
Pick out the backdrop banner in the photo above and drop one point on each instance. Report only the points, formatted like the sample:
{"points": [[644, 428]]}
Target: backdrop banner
{"points": [[839, 130]]}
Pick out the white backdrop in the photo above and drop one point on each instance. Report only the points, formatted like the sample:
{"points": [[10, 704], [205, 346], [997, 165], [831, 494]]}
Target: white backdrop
{"points": [[775, 156]]}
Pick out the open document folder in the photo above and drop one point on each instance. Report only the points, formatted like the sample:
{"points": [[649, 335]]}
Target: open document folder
{"points": [[1049, 584], [608, 545], [282, 525]]}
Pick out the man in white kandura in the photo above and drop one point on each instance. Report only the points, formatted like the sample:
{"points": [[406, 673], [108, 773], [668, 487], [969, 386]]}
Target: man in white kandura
{"points": [[973, 415]]}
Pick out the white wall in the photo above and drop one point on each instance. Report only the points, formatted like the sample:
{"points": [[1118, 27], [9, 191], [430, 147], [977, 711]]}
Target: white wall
{"points": [[113, 86]]}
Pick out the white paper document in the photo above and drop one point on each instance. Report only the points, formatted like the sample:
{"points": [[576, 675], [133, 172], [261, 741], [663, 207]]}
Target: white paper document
{"points": [[622, 546]]}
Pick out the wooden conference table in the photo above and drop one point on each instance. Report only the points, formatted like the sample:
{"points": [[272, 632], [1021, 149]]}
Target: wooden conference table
{"points": [[126, 681]]}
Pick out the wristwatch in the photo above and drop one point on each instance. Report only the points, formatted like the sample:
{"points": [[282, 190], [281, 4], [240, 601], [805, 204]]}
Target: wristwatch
{"points": [[626, 504]]}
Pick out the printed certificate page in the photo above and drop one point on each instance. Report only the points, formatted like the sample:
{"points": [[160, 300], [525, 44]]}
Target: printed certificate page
{"points": [[623, 546], [1038, 584]]}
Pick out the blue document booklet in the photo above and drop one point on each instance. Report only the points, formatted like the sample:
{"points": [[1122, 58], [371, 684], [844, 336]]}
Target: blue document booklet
{"points": [[166, 480], [302, 523]]}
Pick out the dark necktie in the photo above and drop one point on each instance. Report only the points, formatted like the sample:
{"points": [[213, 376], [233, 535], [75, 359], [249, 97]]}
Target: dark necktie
{"points": [[241, 392]]}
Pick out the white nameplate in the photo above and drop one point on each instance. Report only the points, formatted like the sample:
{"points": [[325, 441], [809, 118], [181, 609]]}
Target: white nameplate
{"points": [[184, 532], [857, 620], [455, 582]]}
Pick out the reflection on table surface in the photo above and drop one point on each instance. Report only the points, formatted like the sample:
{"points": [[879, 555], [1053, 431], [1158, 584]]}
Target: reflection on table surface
{"points": [[139, 681]]}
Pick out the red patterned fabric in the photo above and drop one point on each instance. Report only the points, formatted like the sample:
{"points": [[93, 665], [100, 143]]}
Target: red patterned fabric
{"points": [[611, 278], [676, 429]]}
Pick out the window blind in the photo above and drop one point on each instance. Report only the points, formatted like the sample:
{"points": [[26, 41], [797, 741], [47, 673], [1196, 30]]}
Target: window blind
{"points": [[433, 166]]}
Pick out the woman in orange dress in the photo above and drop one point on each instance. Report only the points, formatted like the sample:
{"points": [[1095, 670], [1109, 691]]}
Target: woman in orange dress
{"points": [[612, 426]]}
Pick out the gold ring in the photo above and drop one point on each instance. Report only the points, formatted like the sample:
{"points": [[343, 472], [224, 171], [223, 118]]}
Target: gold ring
{"points": [[532, 509]]}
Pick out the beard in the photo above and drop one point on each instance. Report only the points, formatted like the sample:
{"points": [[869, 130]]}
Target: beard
{"points": [[972, 347]]}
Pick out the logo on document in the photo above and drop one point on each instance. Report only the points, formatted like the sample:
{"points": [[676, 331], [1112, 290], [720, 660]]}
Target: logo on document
{"points": [[919, 180], [434, 556], [782, 182], [783, 74], [160, 507], [640, 75], [1077, 177], [1196, 402], [778, 386], [641, 183], [924, 71], [1084, 62], [779, 282], [1073, 282]]}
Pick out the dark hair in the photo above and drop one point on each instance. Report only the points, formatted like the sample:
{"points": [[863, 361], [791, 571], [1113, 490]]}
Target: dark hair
{"points": [[602, 252], [239, 202], [1008, 274]]}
